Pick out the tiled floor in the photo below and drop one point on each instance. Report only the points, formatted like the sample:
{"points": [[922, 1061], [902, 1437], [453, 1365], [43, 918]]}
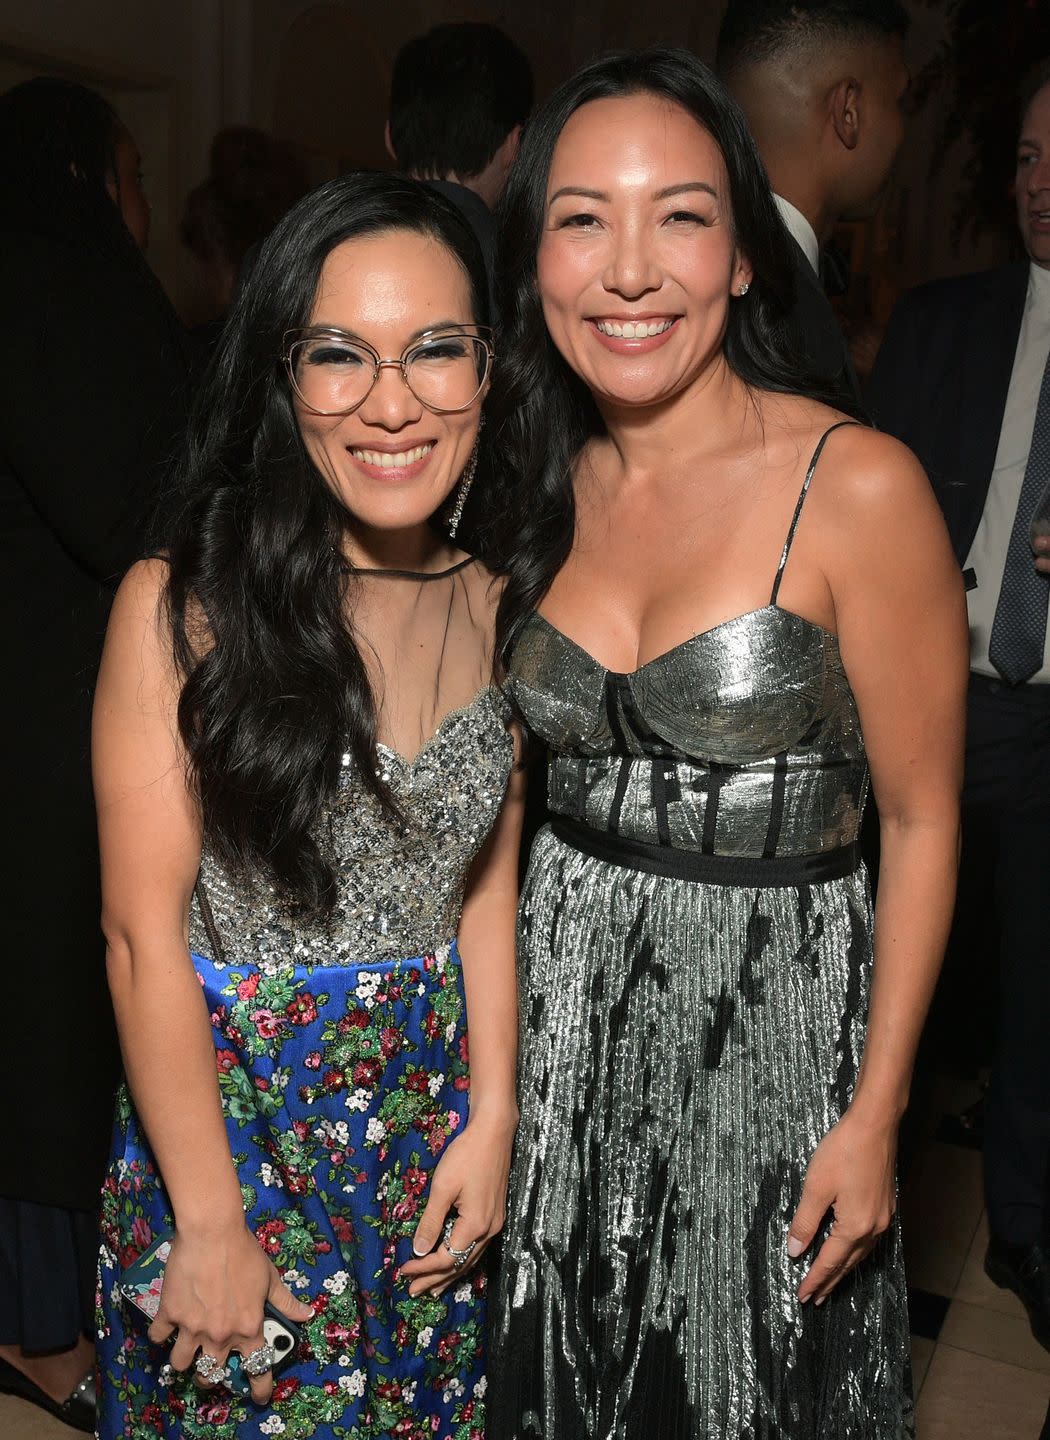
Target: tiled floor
{"points": [[978, 1373], [19, 1421]]}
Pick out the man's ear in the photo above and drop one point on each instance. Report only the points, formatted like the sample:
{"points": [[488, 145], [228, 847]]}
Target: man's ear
{"points": [[388, 143], [844, 111]]}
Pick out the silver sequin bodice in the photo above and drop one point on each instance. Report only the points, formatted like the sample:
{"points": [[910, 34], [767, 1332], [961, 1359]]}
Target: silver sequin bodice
{"points": [[744, 740], [400, 883]]}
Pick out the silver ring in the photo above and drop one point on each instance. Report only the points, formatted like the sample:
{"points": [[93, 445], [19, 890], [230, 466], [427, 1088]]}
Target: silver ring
{"points": [[459, 1257], [259, 1361], [209, 1370]]}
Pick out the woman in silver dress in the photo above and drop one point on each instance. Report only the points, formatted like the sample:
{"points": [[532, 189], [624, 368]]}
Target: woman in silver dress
{"points": [[309, 854], [726, 604]]}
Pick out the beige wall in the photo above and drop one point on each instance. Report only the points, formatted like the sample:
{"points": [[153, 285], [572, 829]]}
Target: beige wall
{"points": [[322, 70]]}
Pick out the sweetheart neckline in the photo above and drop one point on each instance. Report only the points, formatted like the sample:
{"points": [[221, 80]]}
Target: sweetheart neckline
{"points": [[689, 640], [455, 713]]}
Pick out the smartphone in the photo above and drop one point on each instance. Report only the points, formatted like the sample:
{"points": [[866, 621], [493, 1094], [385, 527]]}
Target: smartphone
{"points": [[141, 1284]]}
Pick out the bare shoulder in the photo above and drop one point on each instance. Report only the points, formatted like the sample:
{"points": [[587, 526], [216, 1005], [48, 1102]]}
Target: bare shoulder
{"points": [[866, 477], [138, 676], [140, 602]]}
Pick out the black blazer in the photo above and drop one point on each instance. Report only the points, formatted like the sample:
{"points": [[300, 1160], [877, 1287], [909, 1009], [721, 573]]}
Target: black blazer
{"points": [[817, 328], [940, 384]]}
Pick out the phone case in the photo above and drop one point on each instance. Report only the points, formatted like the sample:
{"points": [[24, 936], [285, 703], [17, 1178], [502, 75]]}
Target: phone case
{"points": [[142, 1282]]}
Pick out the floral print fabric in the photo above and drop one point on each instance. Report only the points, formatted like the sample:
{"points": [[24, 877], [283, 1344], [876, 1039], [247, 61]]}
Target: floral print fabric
{"points": [[341, 1086]]}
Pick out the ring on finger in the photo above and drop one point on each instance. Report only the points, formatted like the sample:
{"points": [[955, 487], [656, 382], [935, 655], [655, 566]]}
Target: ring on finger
{"points": [[459, 1257], [209, 1370], [259, 1361]]}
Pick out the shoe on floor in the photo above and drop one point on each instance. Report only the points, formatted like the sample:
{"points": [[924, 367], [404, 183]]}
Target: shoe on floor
{"points": [[1024, 1269], [77, 1410]]}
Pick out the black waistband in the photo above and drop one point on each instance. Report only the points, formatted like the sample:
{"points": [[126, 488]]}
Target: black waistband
{"points": [[707, 869], [1031, 692]]}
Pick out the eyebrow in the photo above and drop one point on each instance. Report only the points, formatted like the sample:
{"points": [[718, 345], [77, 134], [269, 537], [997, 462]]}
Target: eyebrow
{"points": [[440, 325], [685, 188], [433, 327]]}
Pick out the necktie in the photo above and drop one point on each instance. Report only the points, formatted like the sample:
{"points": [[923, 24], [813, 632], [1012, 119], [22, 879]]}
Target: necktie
{"points": [[1019, 628]]}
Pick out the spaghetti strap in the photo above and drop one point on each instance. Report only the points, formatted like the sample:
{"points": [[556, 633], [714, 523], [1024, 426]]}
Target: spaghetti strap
{"points": [[801, 501]]}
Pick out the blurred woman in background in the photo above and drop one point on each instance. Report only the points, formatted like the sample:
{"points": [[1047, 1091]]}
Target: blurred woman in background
{"points": [[94, 391]]}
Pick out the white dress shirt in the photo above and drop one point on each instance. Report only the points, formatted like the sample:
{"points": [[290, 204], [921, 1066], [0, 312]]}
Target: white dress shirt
{"points": [[987, 555], [801, 230]]}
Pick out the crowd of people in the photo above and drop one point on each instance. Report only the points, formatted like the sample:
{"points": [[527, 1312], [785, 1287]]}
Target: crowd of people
{"points": [[510, 616]]}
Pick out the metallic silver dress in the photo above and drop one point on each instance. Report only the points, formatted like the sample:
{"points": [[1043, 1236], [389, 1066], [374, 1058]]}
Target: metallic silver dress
{"points": [[695, 947]]}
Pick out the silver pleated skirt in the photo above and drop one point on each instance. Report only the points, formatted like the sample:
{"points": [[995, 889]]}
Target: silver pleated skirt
{"points": [[684, 1048]]}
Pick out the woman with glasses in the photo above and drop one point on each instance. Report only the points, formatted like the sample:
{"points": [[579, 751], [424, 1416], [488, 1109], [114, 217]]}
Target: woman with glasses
{"points": [[309, 843]]}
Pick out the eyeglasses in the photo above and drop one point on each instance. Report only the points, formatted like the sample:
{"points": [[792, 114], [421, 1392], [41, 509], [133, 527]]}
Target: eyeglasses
{"points": [[333, 372]]}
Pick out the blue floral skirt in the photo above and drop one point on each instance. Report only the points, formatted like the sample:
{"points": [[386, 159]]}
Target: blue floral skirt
{"points": [[341, 1086]]}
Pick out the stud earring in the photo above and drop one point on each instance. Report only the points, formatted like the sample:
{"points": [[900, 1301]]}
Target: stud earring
{"points": [[465, 482], [745, 287]]}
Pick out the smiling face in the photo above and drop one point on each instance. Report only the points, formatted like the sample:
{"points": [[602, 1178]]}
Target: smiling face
{"points": [[637, 263], [391, 462], [1032, 181]]}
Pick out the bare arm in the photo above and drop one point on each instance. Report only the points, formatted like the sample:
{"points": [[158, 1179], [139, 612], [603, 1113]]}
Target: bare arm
{"points": [[901, 619], [217, 1277], [472, 1175]]}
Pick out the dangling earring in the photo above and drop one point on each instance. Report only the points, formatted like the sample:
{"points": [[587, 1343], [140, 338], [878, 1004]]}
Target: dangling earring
{"points": [[465, 482]]}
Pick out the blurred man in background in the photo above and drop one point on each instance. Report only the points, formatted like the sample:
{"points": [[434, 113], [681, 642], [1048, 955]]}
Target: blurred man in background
{"points": [[459, 96], [821, 83], [963, 378]]}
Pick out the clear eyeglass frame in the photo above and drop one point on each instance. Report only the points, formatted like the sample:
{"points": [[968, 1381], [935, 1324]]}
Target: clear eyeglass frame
{"points": [[294, 339]]}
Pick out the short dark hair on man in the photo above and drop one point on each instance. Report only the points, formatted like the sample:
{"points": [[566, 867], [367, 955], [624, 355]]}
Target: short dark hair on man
{"points": [[757, 31], [455, 95]]}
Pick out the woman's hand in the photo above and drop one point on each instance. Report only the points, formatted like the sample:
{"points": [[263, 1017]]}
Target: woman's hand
{"points": [[852, 1174], [214, 1290], [471, 1178]]}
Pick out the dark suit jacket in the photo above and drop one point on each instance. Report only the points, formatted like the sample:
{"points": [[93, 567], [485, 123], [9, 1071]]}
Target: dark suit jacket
{"points": [[817, 328], [940, 384]]}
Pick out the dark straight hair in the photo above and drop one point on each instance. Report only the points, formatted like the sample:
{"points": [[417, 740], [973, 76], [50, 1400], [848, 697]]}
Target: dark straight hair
{"points": [[456, 93], [540, 411], [756, 32], [274, 688]]}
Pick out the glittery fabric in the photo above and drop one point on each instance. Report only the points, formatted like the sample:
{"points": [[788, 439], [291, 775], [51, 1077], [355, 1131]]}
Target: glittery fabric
{"points": [[685, 1046], [688, 751], [400, 884], [342, 1061]]}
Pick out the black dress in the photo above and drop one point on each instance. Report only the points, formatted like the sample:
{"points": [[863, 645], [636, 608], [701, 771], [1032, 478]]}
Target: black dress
{"points": [[93, 397]]}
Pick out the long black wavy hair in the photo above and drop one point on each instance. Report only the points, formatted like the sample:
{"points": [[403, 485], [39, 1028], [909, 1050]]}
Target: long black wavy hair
{"points": [[274, 688], [541, 412]]}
